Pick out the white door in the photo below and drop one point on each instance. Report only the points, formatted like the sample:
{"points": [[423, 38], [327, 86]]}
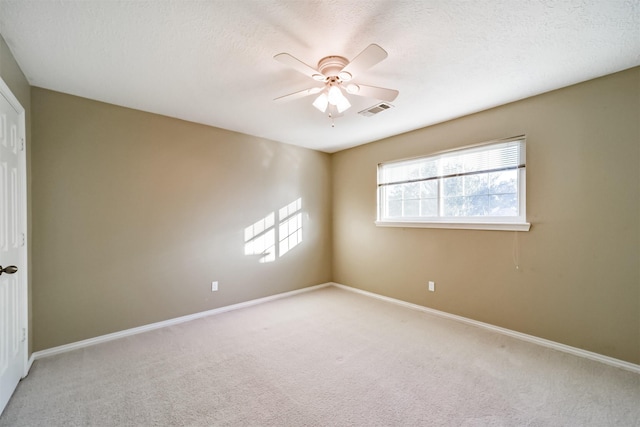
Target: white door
{"points": [[12, 245]]}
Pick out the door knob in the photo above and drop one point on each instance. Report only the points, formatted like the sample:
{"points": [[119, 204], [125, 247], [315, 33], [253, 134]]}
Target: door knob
{"points": [[9, 270]]}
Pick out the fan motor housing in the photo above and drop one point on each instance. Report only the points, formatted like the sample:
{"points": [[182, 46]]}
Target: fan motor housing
{"points": [[330, 66]]}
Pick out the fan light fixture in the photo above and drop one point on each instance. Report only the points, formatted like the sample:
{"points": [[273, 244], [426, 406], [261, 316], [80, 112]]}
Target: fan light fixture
{"points": [[334, 96]]}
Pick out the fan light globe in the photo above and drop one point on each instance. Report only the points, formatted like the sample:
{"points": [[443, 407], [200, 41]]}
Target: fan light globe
{"points": [[321, 102], [343, 105], [335, 94]]}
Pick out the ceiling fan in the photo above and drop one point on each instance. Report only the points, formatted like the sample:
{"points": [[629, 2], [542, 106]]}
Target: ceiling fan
{"points": [[336, 74]]}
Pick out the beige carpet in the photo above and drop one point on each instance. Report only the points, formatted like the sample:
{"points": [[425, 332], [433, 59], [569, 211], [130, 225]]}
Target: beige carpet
{"points": [[324, 358]]}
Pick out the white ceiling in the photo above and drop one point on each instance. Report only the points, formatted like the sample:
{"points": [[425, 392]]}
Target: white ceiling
{"points": [[211, 62]]}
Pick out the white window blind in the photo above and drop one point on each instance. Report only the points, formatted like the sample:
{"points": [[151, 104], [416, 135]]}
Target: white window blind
{"points": [[480, 184]]}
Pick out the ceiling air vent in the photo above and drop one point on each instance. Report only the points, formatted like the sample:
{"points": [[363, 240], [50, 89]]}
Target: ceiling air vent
{"points": [[368, 112]]}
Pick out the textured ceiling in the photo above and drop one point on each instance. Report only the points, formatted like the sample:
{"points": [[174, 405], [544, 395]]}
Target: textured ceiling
{"points": [[212, 62]]}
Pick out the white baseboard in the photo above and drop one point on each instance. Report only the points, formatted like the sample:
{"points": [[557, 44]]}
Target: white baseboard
{"points": [[140, 329], [529, 338]]}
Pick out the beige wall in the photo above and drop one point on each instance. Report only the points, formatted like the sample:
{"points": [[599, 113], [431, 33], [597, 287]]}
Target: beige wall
{"points": [[135, 214], [12, 75], [578, 281]]}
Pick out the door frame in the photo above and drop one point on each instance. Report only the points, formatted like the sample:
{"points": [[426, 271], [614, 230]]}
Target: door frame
{"points": [[24, 258]]}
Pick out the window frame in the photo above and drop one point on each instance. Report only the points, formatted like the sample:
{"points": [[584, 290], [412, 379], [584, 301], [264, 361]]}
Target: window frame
{"points": [[508, 223]]}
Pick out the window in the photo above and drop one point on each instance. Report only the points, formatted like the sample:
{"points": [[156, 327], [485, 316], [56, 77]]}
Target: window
{"points": [[480, 187]]}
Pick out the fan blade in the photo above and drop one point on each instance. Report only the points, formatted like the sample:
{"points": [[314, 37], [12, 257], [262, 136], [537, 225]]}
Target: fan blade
{"points": [[369, 57], [299, 66], [300, 94], [380, 93]]}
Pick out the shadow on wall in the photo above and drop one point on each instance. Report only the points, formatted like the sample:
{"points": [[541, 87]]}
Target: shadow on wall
{"points": [[260, 238]]}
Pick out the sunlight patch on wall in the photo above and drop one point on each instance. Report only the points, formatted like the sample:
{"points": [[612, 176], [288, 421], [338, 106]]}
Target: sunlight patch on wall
{"points": [[290, 229], [260, 238]]}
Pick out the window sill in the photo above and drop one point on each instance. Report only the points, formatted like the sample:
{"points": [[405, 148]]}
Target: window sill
{"points": [[504, 226]]}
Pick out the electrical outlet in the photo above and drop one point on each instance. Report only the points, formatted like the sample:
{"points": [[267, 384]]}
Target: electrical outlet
{"points": [[214, 286], [432, 286]]}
